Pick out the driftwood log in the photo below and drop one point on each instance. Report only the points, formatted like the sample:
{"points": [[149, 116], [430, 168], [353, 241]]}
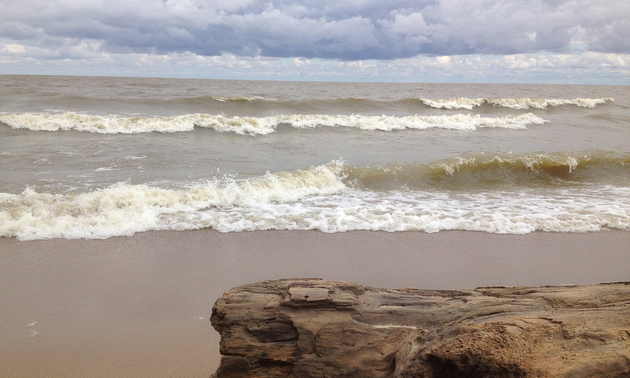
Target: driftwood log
{"points": [[315, 328]]}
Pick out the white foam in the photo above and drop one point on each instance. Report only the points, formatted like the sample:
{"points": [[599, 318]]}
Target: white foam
{"points": [[242, 99], [256, 125], [317, 201], [512, 103], [510, 213], [530, 161], [133, 157], [124, 209], [387, 123], [454, 103]]}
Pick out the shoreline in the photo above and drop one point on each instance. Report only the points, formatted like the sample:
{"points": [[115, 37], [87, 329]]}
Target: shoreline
{"points": [[139, 306]]}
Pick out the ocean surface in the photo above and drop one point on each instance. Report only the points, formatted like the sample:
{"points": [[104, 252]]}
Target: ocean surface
{"points": [[96, 157]]}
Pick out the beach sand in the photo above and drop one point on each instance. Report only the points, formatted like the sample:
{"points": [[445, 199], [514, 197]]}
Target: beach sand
{"points": [[139, 306]]}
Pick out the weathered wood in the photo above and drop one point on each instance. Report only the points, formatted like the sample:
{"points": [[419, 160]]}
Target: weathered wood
{"points": [[316, 328]]}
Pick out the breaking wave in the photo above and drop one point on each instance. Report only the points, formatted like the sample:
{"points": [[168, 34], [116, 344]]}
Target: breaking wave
{"points": [[256, 125], [449, 103], [499, 170], [568, 192], [235, 99], [512, 103], [124, 209]]}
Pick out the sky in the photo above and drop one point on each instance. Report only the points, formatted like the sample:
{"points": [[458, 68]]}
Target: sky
{"points": [[502, 41]]}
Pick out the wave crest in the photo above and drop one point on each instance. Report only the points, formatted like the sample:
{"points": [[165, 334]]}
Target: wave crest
{"points": [[494, 170], [512, 103], [336, 197], [256, 125], [125, 209], [239, 99]]}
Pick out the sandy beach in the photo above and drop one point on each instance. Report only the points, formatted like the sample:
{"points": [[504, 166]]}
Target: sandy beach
{"points": [[139, 306]]}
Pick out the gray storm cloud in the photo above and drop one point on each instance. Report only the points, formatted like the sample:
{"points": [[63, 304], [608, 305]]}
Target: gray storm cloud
{"points": [[346, 30]]}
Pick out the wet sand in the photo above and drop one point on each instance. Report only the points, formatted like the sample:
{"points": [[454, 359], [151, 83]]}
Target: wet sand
{"points": [[139, 306]]}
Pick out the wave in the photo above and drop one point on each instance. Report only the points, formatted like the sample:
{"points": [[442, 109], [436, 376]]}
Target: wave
{"points": [[446, 103], [124, 209], [512, 103], [486, 192], [498, 170], [270, 99], [255, 125], [449, 103], [232, 98]]}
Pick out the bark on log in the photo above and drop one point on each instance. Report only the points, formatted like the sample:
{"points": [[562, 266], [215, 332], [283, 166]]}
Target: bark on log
{"points": [[315, 328]]}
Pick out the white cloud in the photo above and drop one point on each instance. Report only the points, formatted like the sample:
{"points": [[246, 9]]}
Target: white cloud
{"points": [[444, 60], [299, 62], [532, 36], [397, 39], [605, 60], [519, 62], [14, 48], [600, 68]]}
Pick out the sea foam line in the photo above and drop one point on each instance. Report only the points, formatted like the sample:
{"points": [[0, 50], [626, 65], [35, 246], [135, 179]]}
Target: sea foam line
{"points": [[256, 125], [512, 103]]}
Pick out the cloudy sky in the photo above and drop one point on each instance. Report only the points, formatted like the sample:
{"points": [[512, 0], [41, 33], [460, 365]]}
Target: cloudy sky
{"points": [[544, 41]]}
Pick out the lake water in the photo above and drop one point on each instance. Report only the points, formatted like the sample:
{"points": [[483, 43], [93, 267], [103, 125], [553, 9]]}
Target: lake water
{"points": [[95, 157]]}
